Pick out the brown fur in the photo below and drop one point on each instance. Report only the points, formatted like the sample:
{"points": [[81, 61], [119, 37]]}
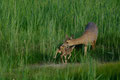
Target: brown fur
{"points": [[89, 37], [64, 50]]}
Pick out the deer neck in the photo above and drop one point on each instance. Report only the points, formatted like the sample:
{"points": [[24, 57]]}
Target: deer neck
{"points": [[76, 41]]}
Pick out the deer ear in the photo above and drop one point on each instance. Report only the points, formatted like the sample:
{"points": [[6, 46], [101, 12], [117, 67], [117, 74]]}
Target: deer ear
{"points": [[67, 37], [72, 37]]}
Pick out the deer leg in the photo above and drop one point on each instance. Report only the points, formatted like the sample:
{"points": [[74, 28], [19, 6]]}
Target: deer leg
{"points": [[93, 45], [65, 59], [69, 56], [62, 58], [85, 50], [56, 53]]}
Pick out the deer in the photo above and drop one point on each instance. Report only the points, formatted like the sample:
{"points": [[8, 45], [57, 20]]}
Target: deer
{"points": [[64, 50], [89, 37]]}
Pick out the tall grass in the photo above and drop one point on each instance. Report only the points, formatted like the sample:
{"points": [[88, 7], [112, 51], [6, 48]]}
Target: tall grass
{"points": [[31, 30]]}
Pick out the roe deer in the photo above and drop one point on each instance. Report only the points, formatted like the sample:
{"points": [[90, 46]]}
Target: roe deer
{"points": [[64, 50], [88, 37]]}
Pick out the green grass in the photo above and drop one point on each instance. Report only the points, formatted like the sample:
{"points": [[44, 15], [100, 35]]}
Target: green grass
{"points": [[83, 71], [31, 30]]}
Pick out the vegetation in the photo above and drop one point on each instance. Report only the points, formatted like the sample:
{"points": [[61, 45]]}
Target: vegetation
{"points": [[31, 30]]}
